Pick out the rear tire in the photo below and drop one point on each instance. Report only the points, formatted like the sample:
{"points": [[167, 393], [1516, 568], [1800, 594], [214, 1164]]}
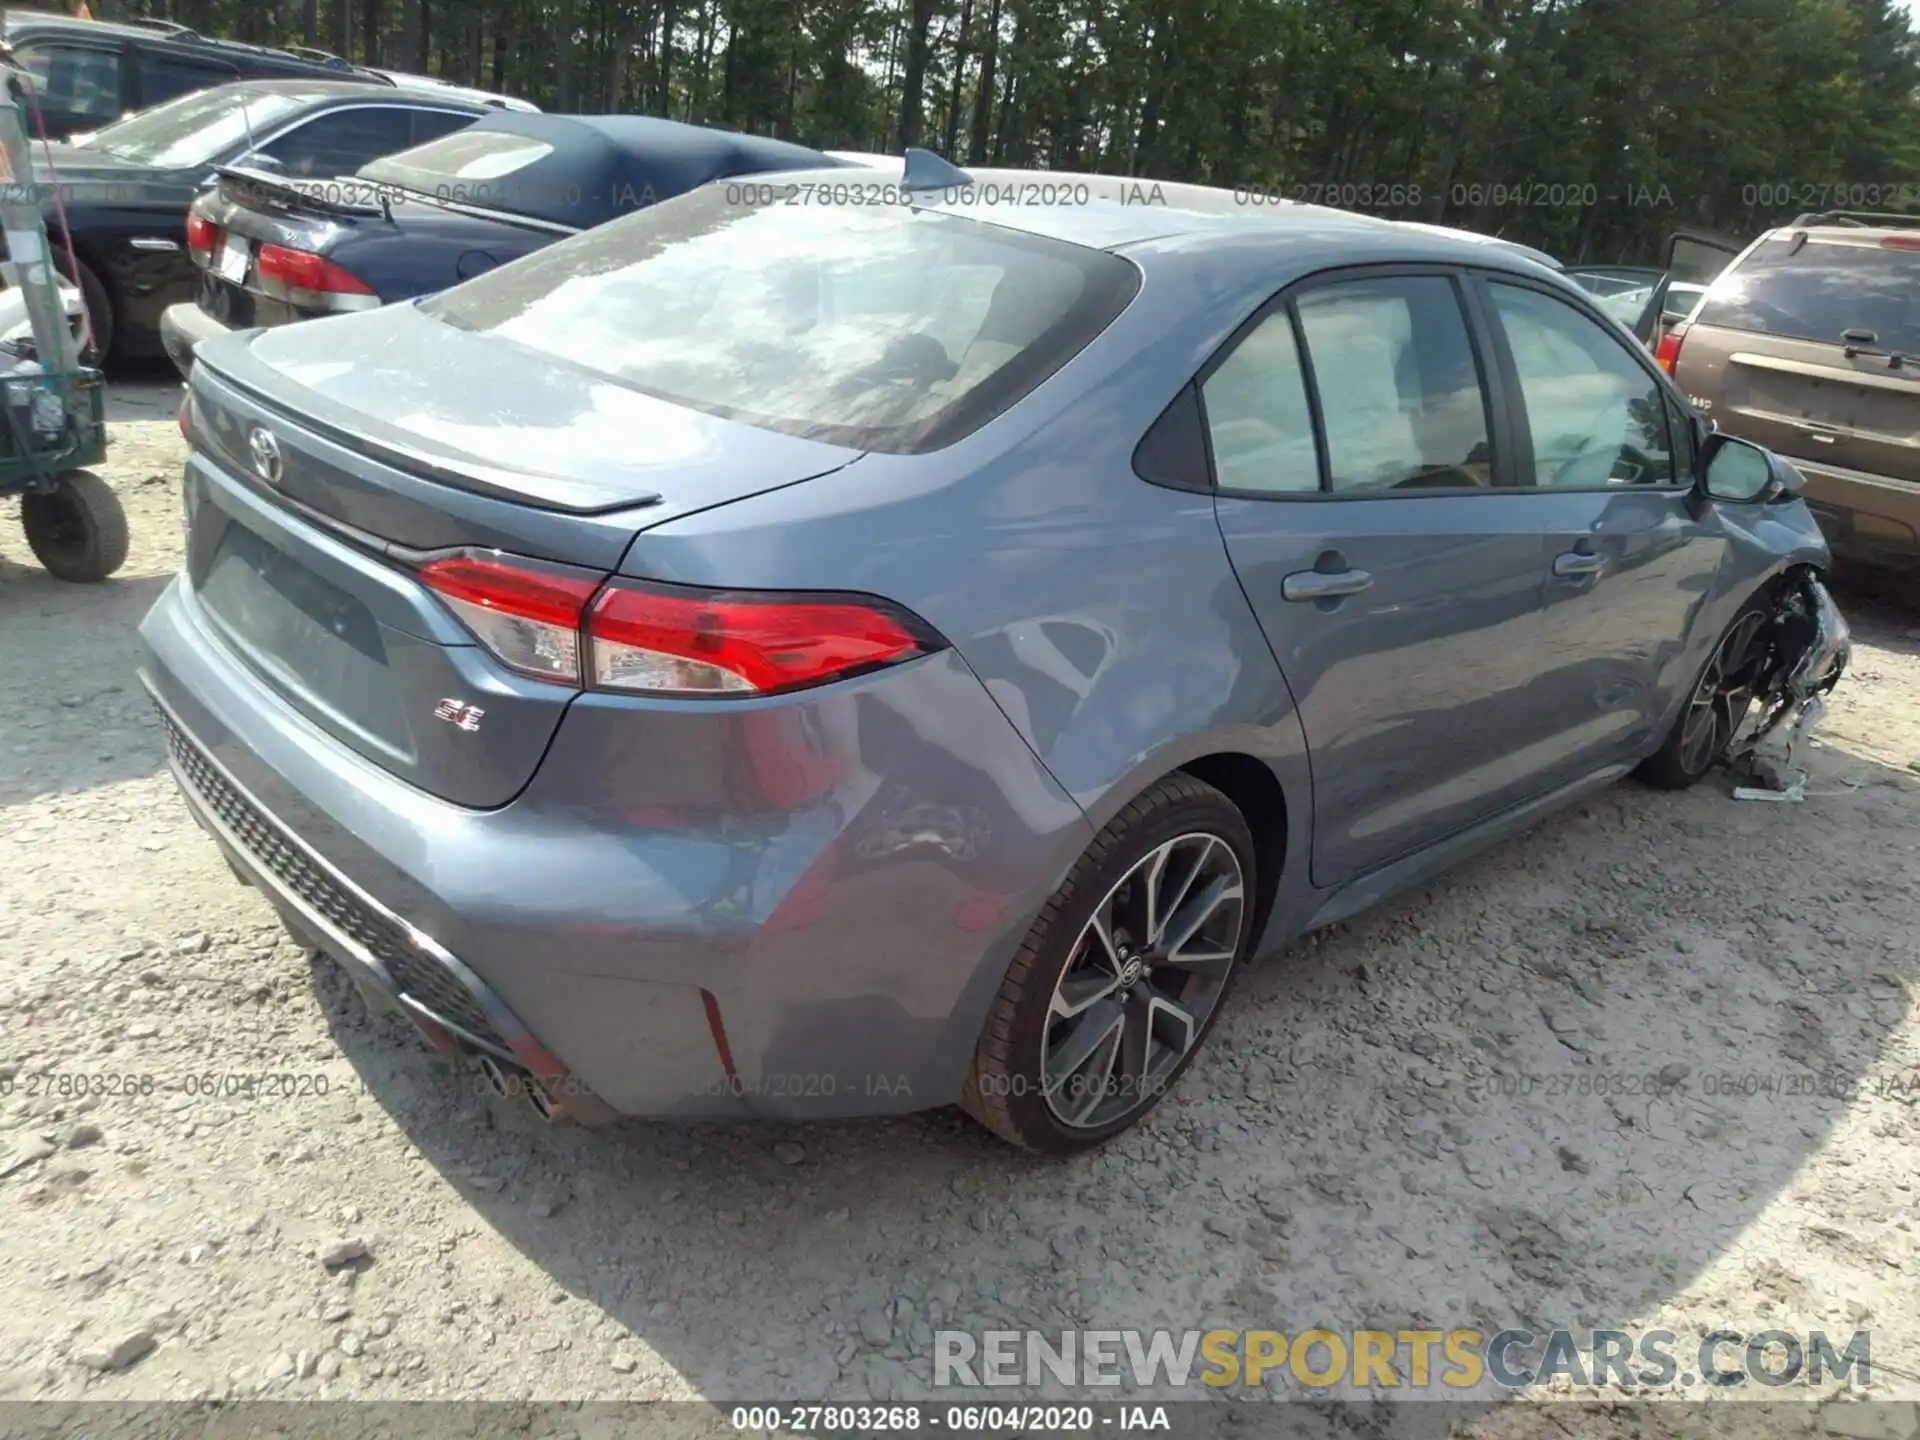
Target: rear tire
{"points": [[76, 529], [1718, 702], [1130, 961]]}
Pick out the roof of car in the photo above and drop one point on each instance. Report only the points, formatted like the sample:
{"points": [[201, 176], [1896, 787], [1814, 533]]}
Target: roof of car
{"points": [[603, 166], [1111, 212], [314, 89]]}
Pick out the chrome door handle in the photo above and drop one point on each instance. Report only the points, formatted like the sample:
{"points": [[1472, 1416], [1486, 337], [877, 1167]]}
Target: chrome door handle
{"points": [[1576, 563], [1320, 585]]}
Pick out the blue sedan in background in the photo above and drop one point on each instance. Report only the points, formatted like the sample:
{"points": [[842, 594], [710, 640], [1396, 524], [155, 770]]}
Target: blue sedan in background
{"points": [[819, 659], [271, 249]]}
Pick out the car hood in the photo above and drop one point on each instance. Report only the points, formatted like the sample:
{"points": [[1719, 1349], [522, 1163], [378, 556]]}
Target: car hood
{"points": [[484, 414]]}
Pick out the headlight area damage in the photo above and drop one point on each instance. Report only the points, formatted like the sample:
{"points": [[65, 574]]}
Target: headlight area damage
{"points": [[1803, 653]]}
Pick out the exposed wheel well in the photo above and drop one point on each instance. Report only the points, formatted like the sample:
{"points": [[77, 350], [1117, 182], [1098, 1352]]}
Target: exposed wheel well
{"points": [[1255, 790]]}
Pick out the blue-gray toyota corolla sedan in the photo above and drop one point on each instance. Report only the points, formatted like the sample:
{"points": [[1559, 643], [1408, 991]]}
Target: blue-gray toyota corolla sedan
{"points": [[816, 647]]}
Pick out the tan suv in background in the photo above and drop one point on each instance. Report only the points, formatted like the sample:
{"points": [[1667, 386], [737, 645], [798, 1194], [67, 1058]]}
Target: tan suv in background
{"points": [[1809, 344]]}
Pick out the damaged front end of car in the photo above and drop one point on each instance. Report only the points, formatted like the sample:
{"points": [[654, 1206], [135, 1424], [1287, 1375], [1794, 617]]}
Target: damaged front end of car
{"points": [[1804, 652]]}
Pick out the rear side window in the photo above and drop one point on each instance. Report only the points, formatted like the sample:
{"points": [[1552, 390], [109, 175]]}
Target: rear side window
{"points": [[1399, 391], [1258, 424], [432, 124], [167, 77], [876, 327], [341, 142], [1820, 289]]}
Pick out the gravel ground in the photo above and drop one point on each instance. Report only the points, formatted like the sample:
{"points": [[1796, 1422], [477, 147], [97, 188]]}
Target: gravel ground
{"points": [[1346, 1155]]}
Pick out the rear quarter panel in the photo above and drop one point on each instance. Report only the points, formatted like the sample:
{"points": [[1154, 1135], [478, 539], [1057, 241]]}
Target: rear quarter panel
{"points": [[1099, 611]]}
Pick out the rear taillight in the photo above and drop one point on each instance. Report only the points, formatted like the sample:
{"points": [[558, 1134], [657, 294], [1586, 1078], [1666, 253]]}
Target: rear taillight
{"points": [[202, 238], [557, 623], [1668, 353], [1901, 242], [668, 640], [526, 613], [311, 281]]}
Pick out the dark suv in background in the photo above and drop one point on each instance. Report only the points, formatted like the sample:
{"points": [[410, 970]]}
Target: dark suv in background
{"points": [[90, 73], [1809, 344]]}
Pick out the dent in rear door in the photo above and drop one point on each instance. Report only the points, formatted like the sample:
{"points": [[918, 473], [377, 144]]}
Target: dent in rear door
{"points": [[1399, 591]]}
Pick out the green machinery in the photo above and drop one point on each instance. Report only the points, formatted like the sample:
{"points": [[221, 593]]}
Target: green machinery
{"points": [[54, 406]]}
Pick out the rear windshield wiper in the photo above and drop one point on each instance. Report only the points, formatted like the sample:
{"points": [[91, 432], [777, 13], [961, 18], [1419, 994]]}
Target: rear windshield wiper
{"points": [[1867, 342]]}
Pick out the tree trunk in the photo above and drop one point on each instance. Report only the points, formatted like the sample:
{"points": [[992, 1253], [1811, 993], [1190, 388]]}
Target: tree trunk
{"points": [[410, 35], [703, 64], [370, 31], [502, 33], [471, 51], [563, 64], [913, 83], [623, 43], [310, 22], [342, 36], [666, 59], [960, 48], [983, 89]]}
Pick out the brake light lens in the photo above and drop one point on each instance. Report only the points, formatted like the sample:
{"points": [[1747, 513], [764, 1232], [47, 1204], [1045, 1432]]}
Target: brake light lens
{"points": [[1668, 353], [527, 614], [672, 640], [1901, 242], [304, 277], [558, 623], [202, 236]]}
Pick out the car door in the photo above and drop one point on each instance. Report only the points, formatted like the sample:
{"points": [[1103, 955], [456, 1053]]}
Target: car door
{"points": [[1355, 453], [1603, 466]]}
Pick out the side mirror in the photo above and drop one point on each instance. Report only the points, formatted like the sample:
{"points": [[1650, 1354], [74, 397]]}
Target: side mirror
{"points": [[1738, 472]]}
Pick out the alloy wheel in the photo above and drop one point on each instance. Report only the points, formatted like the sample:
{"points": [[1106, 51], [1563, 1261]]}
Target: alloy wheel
{"points": [[1721, 698], [1142, 981]]}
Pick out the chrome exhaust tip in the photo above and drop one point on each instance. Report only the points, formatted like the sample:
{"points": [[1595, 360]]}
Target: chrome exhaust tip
{"points": [[495, 1077], [541, 1102]]}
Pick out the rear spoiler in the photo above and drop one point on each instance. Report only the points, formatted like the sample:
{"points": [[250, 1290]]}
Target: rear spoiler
{"points": [[346, 196]]}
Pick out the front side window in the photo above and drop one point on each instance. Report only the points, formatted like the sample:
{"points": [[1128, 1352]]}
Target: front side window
{"points": [[341, 142], [74, 79], [1400, 394], [1258, 423], [880, 328], [1596, 417]]}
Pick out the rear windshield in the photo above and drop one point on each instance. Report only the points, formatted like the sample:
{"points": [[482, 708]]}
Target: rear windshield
{"points": [[1820, 289], [193, 129], [873, 326], [466, 165]]}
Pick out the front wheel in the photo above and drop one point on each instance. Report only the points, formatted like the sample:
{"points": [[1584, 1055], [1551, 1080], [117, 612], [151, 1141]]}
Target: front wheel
{"points": [[1716, 706], [1122, 974], [77, 528]]}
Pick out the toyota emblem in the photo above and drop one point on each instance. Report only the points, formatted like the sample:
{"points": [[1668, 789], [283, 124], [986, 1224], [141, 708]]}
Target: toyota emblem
{"points": [[266, 455]]}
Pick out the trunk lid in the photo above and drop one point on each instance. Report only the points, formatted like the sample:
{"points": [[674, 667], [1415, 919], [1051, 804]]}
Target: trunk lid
{"points": [[437, 439], [253, 209]]}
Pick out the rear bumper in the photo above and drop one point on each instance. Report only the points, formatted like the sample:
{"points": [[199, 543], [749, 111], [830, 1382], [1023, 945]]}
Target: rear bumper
{"points": [[182, 328], [1863, 516], [823, 942]]}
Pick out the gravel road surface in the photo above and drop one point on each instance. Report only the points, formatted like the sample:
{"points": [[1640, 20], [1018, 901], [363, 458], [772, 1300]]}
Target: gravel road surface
{"points": [[1432, 1115]]}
